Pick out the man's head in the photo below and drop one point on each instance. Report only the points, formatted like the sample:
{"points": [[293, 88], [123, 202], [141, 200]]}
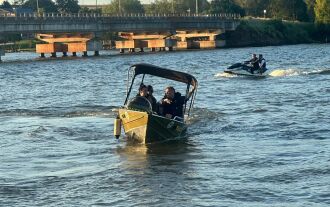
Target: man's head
{"points": [[150, 90], [254, 55], [260, 55], [169, 92], [143, 90]]}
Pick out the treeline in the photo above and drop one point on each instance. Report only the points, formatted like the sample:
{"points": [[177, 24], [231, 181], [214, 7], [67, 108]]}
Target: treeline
{"points": [[312, 17], [301, 10], [256, 32]]}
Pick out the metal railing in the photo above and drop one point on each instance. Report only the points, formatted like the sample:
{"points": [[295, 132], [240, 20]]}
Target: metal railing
{"points": [[143, 15]]}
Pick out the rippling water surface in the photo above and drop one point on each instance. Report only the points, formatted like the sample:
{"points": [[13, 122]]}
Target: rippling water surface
{"points": [[252, 142]]}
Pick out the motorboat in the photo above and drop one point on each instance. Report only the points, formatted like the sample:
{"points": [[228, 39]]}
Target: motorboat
{"points": [[246, 69], [143, 125]]}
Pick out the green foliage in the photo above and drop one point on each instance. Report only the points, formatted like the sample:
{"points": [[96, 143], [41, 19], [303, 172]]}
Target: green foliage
{"points": [[288, 10], [177, 7], [6, 5], [322, 11], [183, 6], [253, 7], [68, 6], [10, 38], [274, 32], [160, 7], [47, 6], [18, 2], [124, 7], [310, 9], [225, 6], [86, 10]]}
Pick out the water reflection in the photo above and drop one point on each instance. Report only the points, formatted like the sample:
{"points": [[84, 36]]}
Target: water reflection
{"points": [[134, 152], [155, 170]]}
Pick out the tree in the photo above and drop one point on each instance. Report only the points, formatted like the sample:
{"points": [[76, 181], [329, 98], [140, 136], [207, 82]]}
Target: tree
{"points": [[184, 6], [253, 7], [225, 6], [18, 2], [177, 7], [290, 10], [322, 11], [47, 6], [6, 5], [68, 6], [160, 7], [310, 9], [86, 10], [124, 7]]}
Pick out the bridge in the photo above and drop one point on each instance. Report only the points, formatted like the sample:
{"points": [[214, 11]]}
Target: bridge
{"points": [[135, 24], [66, 23]]}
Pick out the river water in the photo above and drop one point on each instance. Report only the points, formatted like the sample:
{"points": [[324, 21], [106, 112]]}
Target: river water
{"points": [[252, 142]]}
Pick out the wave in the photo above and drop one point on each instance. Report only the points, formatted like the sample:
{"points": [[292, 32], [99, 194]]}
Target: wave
{"points": [[75, 111], [224, 75], [284, 72], [297, 72]]}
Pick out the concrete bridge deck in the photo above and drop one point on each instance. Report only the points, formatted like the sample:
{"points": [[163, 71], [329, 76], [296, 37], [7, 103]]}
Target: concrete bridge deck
{"points": [[68, 23]]}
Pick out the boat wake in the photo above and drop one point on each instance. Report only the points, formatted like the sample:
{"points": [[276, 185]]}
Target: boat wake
{"points": [[224, 75], [69, 112], [282, 73], [297, 72]]}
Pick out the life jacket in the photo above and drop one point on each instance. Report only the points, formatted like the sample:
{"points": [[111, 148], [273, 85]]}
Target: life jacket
{"points": [[263, 62]]}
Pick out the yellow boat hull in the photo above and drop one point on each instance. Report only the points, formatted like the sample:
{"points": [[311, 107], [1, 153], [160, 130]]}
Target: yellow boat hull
{"points": [[144, 127]]}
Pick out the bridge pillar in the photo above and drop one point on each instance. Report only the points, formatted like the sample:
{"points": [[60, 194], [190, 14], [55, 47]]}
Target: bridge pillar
{"points": [[130, 45], [2, 53], [150, 40], [74, 47], [199, 39], [185, 44], [65, 43], [162, 44], [51, 48]]}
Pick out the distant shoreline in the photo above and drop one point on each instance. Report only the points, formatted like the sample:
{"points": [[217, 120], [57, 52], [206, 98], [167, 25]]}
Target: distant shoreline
{"points": [[250, 33], [255, 33]]}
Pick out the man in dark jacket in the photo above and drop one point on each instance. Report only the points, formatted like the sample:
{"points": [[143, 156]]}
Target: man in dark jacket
{"points": [[151, 98], [262, 64], [171, 105], [254, 62]]}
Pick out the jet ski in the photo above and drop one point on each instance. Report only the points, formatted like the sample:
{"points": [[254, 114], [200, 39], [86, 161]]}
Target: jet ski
{"points": [[245, 69]]}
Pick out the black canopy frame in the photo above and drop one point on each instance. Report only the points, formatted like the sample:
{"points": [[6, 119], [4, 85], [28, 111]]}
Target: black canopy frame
{"points": [[148, 69]]}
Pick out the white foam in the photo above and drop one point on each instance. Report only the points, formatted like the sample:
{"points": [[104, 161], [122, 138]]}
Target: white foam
{"points": [[284, 72], [225, 75]]}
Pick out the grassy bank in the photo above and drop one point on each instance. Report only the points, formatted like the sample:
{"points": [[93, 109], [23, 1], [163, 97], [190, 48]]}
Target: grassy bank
{"points": [[254, 32], [21, 45]]}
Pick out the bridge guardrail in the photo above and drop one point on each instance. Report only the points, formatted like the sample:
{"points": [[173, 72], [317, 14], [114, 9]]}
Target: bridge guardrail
{"points": [[95, 15]]}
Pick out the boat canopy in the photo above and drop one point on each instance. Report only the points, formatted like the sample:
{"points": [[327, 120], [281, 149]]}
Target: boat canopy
{"points": [[143, 68]]}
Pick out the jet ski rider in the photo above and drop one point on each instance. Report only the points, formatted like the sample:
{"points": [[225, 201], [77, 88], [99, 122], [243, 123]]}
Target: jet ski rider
{"points": [[254, 61], [261, 64]]}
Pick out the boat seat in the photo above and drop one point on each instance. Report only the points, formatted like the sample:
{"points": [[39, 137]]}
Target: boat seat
{"points": [[139, 103]]}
